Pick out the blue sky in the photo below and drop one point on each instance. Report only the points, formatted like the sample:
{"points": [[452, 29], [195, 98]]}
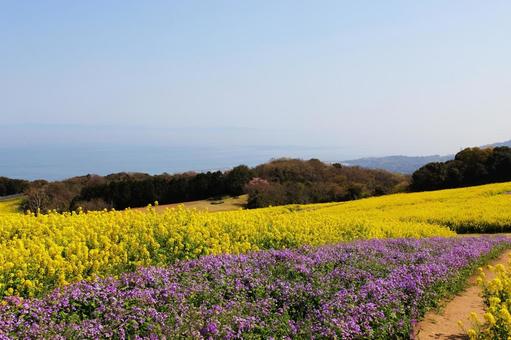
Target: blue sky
{"points": [[367, 78]]}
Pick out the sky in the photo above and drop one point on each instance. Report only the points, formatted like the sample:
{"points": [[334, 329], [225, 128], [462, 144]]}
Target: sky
{"points": [[337, 79]]}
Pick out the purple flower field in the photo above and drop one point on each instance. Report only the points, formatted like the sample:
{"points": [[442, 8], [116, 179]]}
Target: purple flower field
{"points": [[365, 289]]}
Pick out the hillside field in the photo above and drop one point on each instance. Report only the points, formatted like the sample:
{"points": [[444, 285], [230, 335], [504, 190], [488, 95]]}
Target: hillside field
{"points": [[211, 205], [39, 254], [10, 204]]}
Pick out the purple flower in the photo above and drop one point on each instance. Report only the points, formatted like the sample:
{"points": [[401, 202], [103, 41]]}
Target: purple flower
{"points": [[210, 329], [365, 289]]}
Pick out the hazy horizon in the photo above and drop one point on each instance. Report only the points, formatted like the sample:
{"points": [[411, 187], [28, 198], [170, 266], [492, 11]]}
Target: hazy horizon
{"points": [[60, 162], [57, 162], [126, 86]]}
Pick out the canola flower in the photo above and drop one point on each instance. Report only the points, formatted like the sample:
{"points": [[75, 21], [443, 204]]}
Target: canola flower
{"points": [[56, 249], [497, 297], [480, 209], [362, 290], [39, 253]]}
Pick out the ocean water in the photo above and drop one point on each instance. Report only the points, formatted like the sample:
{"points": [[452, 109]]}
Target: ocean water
{"points": [[59, 162]]}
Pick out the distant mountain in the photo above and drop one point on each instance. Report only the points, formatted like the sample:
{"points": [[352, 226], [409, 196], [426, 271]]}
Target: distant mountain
{"points": [[406, 164], [508, 144], [400, 164]]}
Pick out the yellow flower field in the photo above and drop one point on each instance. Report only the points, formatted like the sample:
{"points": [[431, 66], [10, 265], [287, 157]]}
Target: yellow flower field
{"points": [[38, 253], [497, 294]]}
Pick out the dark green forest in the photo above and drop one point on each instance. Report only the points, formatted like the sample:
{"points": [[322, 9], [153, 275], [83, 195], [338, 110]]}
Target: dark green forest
{"points": [[471, 166], [9, 186]]}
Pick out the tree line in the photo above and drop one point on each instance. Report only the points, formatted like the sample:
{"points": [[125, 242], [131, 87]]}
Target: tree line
{"points": [[471, 166], [281, 181], [278, 182], [9, 186], [123, 190]]}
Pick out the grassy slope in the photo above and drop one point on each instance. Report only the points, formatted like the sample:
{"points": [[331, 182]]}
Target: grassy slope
{"points": [[10, 204]]}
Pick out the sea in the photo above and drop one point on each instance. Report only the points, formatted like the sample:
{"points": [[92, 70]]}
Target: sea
{"points": [[58, 162]]}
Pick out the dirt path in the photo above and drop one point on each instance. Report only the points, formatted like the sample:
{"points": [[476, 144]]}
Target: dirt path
{"points": [[445, 324]]}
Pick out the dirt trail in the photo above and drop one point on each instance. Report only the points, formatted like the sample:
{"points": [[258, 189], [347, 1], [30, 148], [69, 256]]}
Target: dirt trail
{"points": [[445, 324]]}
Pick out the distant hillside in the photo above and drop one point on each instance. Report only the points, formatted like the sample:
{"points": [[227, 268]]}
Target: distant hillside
{"points": [[406, 164], [508, 144], [400, 164], [278, 182]]}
